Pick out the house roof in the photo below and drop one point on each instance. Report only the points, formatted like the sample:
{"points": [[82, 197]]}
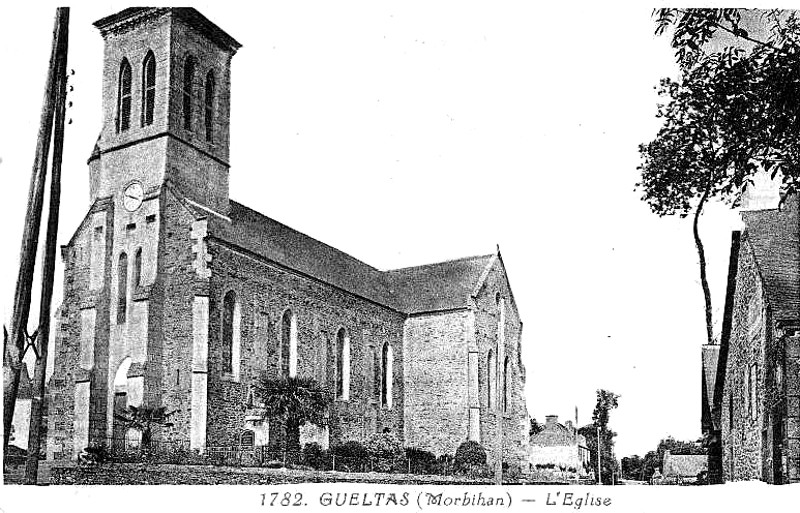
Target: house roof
{"points": [[773, 237], [556, 434], [684, 465], [426, 288]]}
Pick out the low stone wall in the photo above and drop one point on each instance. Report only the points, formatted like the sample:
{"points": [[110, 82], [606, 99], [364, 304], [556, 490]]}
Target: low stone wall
{"points": [[137, 474]]}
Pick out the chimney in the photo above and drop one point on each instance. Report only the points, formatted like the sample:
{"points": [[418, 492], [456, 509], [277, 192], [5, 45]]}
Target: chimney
{"points": [[551, 420], [568, 424]]}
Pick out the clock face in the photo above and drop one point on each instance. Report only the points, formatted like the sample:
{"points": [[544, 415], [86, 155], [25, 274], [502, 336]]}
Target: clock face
{"points": [[132, 196]]}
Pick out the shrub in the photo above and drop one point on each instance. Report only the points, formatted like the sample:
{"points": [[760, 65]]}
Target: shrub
{"points": [[95, 454], [385, 451], [313, 455], [351, 456], [469, 455], [422, 461]]}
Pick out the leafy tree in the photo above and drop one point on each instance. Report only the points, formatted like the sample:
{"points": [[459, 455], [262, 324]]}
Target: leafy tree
{"points": [[470, 456], [292, 402], [144, 419], [632, 467], [731, 113], [606, 401], [535, 428]]}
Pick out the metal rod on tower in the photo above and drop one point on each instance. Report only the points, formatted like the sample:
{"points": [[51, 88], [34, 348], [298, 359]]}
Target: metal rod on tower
{"points": [[49, 257], [14, 347]]}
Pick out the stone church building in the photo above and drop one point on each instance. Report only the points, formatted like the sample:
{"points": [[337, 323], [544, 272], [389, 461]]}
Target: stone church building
{"points": [[751, 380], [177, 296]]}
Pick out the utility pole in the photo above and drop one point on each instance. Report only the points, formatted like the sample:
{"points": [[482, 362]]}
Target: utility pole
{"points": [[49, 257], [15, 345], [599, 475]]}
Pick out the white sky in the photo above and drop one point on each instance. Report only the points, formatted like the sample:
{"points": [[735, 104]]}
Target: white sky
{"points": [[406, 133]]}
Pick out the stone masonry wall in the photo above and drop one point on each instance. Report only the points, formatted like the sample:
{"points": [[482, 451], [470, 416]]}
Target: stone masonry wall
{"points": [[487, 317], [742, 432], [264, 292], [435, 375]]}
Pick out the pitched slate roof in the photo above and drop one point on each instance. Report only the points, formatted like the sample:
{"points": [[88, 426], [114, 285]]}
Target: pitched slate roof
{"points": [[269, 238], [440, 286], [773, 237], [425, 288]]}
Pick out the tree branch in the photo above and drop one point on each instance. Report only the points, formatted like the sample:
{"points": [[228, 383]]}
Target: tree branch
{"points": [[737, 34]]}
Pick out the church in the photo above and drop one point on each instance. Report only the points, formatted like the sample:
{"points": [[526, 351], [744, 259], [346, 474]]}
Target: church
{"points": [[177, 296]]}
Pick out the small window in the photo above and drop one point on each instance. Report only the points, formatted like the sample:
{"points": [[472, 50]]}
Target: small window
{"points": [[505, 385], [386, 376], [150, 219], [342, 365], [137, 268], [228, 325], [288, 353], [491, 375], [122, 288], [188, 80], [124, 97], [209, 106], [247, 440], [148, 88]]}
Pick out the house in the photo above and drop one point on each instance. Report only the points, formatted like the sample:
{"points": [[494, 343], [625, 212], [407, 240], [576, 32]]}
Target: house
{"points": [[559, 448], [176, 296], [683, 468], [755, 413]]}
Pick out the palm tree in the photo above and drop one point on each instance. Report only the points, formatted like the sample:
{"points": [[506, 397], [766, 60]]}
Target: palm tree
{"points": [[143, 419], [292, 402]]}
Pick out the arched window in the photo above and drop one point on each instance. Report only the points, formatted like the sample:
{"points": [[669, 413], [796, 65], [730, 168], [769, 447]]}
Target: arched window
{"points": [[231, 318], [247, 439], [122, 288], [386, 376], [209, 102], [124, 97], [137, 268], [148, 88], [342, 365], [188, 79], [288, 344], [505, 385], [491, 373], [376, 374]]}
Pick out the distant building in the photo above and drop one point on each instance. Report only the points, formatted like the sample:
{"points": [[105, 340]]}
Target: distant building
{"points": [[755, 417], [559, 448], [683, 468]]}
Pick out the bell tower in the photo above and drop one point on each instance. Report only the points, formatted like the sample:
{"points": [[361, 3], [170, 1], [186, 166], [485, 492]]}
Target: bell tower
{"points": [[166, 107]]}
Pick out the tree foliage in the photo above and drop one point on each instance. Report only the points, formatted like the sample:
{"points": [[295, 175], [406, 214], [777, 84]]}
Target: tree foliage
{"points": [[731, 113], [144, 419], [535, 427], [292, 402], [606, 401]]}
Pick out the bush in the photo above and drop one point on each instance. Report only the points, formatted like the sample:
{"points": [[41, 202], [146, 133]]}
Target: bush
{"points": [[385, 451], [422, 461], [95, 454], [470, 456], [314, 456], [351, 456]]}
